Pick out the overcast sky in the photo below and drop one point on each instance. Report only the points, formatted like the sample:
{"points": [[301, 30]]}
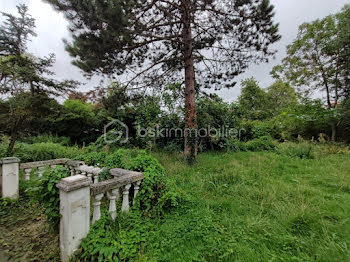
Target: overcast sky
{"points": [[52, 28]]}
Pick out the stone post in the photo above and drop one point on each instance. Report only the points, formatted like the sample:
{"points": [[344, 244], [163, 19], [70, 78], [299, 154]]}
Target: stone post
{"points": [[10, 177], [75, 213]]}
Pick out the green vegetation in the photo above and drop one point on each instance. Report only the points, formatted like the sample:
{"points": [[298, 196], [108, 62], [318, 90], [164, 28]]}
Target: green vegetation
{"points": [[267, 206], [276, 189], [289, 204], [25, 233]]}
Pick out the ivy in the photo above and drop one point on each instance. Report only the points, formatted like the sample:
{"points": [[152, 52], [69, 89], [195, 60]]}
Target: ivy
{"points": [[49, 195]]}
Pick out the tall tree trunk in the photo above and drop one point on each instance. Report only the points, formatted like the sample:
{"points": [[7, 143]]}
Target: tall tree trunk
{"points": [[334, 132], [190, 92], [13, 140]]}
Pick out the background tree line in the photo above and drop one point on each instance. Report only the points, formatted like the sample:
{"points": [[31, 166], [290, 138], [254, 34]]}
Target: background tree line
{"points": [[317, 60]]}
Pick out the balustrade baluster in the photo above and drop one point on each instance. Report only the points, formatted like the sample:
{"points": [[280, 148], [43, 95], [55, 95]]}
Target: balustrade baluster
{"points": [[72, 171], [113, 196], [27, 173], [41, 170], [136, 190], [97, 208], [125, 204]]}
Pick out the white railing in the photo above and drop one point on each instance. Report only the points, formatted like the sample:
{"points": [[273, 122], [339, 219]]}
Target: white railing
{"points": [[75, 193]]}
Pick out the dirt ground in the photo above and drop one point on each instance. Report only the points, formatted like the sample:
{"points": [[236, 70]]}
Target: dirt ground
{"points": [[25, 235]]}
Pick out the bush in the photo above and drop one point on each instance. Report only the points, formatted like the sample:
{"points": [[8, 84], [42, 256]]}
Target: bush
{"points": [[110, 241], [302, 150], [97, 159], [234, 145], [44, 151], [260, 144], [260, 129], [115, 160], [256, 129], [47, 138], [155, 195], [173, 147], [162, 239], [44, 191], [3, 149]]}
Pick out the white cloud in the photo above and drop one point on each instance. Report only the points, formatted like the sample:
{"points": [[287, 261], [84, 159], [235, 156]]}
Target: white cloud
{"points": [[52, 28]]}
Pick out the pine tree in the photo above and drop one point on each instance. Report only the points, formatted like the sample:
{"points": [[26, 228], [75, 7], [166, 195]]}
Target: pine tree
{"points": [[20, 70], [154, 42], [24, 76]]}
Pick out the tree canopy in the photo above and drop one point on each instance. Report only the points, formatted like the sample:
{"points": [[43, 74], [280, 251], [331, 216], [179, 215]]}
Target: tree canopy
{"points": [[20, 70], [154, 42], [145, 38], [319, 60]]}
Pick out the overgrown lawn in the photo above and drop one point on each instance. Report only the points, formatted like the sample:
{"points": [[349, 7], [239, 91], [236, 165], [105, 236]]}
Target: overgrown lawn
{"points": [[271, 207]]}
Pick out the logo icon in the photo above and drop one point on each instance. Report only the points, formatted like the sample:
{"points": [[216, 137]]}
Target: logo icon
{"points": [[116, 131]]}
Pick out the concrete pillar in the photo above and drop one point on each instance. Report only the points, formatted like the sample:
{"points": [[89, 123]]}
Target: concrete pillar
{"points": [[10, 177], [75, 213]]}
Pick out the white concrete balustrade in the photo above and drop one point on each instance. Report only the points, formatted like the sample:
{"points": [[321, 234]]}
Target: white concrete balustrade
{"points": [[75, 193], [122, 182]]}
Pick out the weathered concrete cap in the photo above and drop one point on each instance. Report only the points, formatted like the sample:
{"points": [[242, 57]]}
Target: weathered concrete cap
{"points": [[118, 172], [9, 160], [116, 182], [75, 163], [60, 161], [72, 183]]}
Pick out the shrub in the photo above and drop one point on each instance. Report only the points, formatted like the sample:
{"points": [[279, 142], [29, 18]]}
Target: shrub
{"points": [[96, 159], [115, 160], [256, 129], [48, 194], [260, 144], [47, 138], [234, 145], [302, 150], [44, 151], [260, 129], [173, 147], [3, 149], [110, 241], [156, 196]]}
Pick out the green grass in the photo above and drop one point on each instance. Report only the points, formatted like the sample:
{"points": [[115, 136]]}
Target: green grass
{"points": [[245, 206], [270, 207]]}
